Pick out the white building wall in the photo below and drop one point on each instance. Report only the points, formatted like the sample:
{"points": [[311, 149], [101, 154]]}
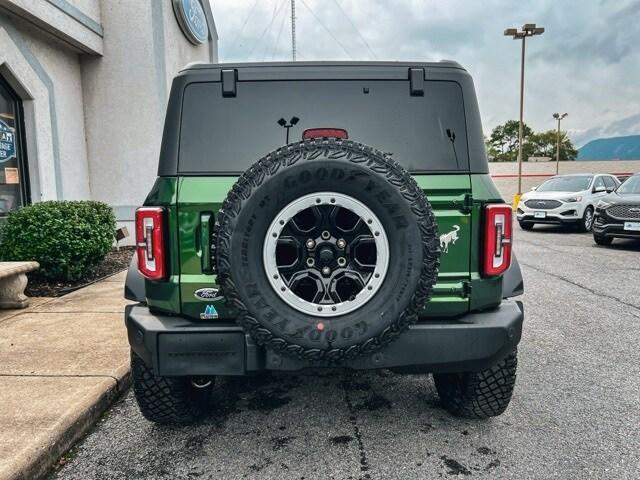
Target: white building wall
{"points": [[63, 67], [88, 8], [94, 77], [125, 98], [48, 74], [64, 19]]}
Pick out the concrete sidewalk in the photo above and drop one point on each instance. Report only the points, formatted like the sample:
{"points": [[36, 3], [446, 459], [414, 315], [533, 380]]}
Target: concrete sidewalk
{"points": [[62, 362]]}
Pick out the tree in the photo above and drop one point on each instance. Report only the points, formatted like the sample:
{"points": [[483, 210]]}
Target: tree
{"points": [[545, 145], [502, 144], [567, 150]]}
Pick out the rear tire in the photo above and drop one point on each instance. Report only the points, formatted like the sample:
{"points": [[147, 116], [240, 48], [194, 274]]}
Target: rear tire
{"points": [[167, 400], [528, 226], [601, 240], [481, 394]]}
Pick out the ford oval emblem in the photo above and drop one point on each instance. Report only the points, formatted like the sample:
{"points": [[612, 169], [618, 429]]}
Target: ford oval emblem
{"points": [[192, 20], [207, 294]]}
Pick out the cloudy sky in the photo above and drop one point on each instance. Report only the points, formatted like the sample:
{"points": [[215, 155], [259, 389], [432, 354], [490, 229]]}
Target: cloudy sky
{"points": [[587, 63]]}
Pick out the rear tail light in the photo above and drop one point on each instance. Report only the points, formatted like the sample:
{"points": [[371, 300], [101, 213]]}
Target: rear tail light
{"points": [[150, 245], [324, 132], [497, 239]]}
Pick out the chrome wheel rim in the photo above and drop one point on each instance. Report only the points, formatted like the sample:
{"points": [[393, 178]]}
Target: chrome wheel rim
{"points": [[588, 219], [326, 254]]}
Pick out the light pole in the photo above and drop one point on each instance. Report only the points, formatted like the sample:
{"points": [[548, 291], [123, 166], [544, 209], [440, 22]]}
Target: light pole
{"points": [[528, 30], [293, 30], [558, 117]]}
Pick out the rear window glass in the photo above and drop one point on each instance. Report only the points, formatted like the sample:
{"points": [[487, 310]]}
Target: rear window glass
{"points": [[228, 134]]}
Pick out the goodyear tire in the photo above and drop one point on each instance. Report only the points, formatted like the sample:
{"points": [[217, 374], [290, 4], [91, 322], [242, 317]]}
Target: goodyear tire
{"points": [[374, 302], [479, 395], [167, 400]]}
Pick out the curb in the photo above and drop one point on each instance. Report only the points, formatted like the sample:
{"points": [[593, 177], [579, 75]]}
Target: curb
{"points": [[37, 461]]}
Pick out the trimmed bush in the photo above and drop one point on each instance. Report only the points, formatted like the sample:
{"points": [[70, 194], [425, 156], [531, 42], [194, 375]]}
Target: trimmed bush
{"points": [[67, 238]]}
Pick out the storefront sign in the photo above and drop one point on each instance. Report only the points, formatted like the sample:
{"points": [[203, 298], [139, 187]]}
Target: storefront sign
{"points": [[7, 142], [192, 20]]}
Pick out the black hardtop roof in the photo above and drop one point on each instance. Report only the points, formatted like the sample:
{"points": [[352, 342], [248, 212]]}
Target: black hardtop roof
{"points": [[270, 71], [328, 63]]}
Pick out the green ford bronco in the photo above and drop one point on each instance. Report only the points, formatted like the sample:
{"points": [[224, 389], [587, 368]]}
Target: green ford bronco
{"points": [[323, 214]]}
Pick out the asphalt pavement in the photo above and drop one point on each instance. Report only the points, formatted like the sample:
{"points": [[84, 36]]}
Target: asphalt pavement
{"points": [[575, 413]]}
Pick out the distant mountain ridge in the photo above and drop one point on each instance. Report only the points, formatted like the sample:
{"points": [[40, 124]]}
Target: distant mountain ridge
{"points": [[614, 148]]}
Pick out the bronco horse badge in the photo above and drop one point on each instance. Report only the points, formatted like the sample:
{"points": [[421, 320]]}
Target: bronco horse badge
{"points": [[450, 238]]}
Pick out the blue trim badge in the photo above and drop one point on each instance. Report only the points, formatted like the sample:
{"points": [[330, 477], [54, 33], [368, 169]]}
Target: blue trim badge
{"points": [[192, 20], [210, 313], [7, 142]]}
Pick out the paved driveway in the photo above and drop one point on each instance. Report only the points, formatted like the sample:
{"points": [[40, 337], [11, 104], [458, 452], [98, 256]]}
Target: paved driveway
{"points": [[575, 413]]}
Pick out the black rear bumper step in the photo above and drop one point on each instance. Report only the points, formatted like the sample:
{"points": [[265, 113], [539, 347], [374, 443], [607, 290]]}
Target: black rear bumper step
{"points": [[176, 346]]}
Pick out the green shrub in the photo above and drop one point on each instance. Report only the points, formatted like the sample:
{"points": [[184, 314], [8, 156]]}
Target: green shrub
{"points": [[67, 238]]}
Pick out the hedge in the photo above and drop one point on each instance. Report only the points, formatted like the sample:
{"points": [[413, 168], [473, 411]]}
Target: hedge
{"points": [[67, 238]]}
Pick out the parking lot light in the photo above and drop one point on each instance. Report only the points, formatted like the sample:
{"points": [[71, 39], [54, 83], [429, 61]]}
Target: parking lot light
{"points": [[528, 30], [558, 117]]}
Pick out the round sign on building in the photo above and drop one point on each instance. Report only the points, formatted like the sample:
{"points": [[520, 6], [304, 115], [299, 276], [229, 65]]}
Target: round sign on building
{"points": [[192, 20]]}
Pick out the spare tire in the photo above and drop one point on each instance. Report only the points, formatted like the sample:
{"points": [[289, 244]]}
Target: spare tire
{"points": [[326, 249]]}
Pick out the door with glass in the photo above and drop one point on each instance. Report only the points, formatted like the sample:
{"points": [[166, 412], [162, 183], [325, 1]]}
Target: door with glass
{"points": [[14, 191]]}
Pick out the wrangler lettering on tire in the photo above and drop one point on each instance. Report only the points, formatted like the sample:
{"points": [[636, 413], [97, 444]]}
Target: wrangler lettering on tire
{"points": [[326, 249]]}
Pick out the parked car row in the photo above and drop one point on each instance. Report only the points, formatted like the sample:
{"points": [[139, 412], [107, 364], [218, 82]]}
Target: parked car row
{"points": [[598, 203]]}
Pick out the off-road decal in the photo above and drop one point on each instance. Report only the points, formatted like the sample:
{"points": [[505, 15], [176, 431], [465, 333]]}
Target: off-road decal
{"points": [[210, 313]]}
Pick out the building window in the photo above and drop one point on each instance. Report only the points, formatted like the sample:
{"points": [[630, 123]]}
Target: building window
{"points": [[14, 184]]}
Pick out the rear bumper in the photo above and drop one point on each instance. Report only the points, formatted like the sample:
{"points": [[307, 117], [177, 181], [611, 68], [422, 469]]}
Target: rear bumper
{"points": [[176, 346]]}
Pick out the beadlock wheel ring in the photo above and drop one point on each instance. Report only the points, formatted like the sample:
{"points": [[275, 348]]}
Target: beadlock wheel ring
{"points": [[371, 276]]}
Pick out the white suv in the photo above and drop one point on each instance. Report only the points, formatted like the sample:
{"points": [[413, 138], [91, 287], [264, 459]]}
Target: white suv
{"points": [[565, 200]]}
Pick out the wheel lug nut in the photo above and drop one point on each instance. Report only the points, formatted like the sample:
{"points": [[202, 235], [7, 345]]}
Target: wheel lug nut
{"points": [[325, 235], [326, 270], [341, 243], [342, 261], [310, 262], [310, 244]]}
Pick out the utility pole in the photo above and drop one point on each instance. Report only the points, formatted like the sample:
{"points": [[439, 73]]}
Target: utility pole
{"points": [[528, 30], [293, 30], [558, 117]]}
